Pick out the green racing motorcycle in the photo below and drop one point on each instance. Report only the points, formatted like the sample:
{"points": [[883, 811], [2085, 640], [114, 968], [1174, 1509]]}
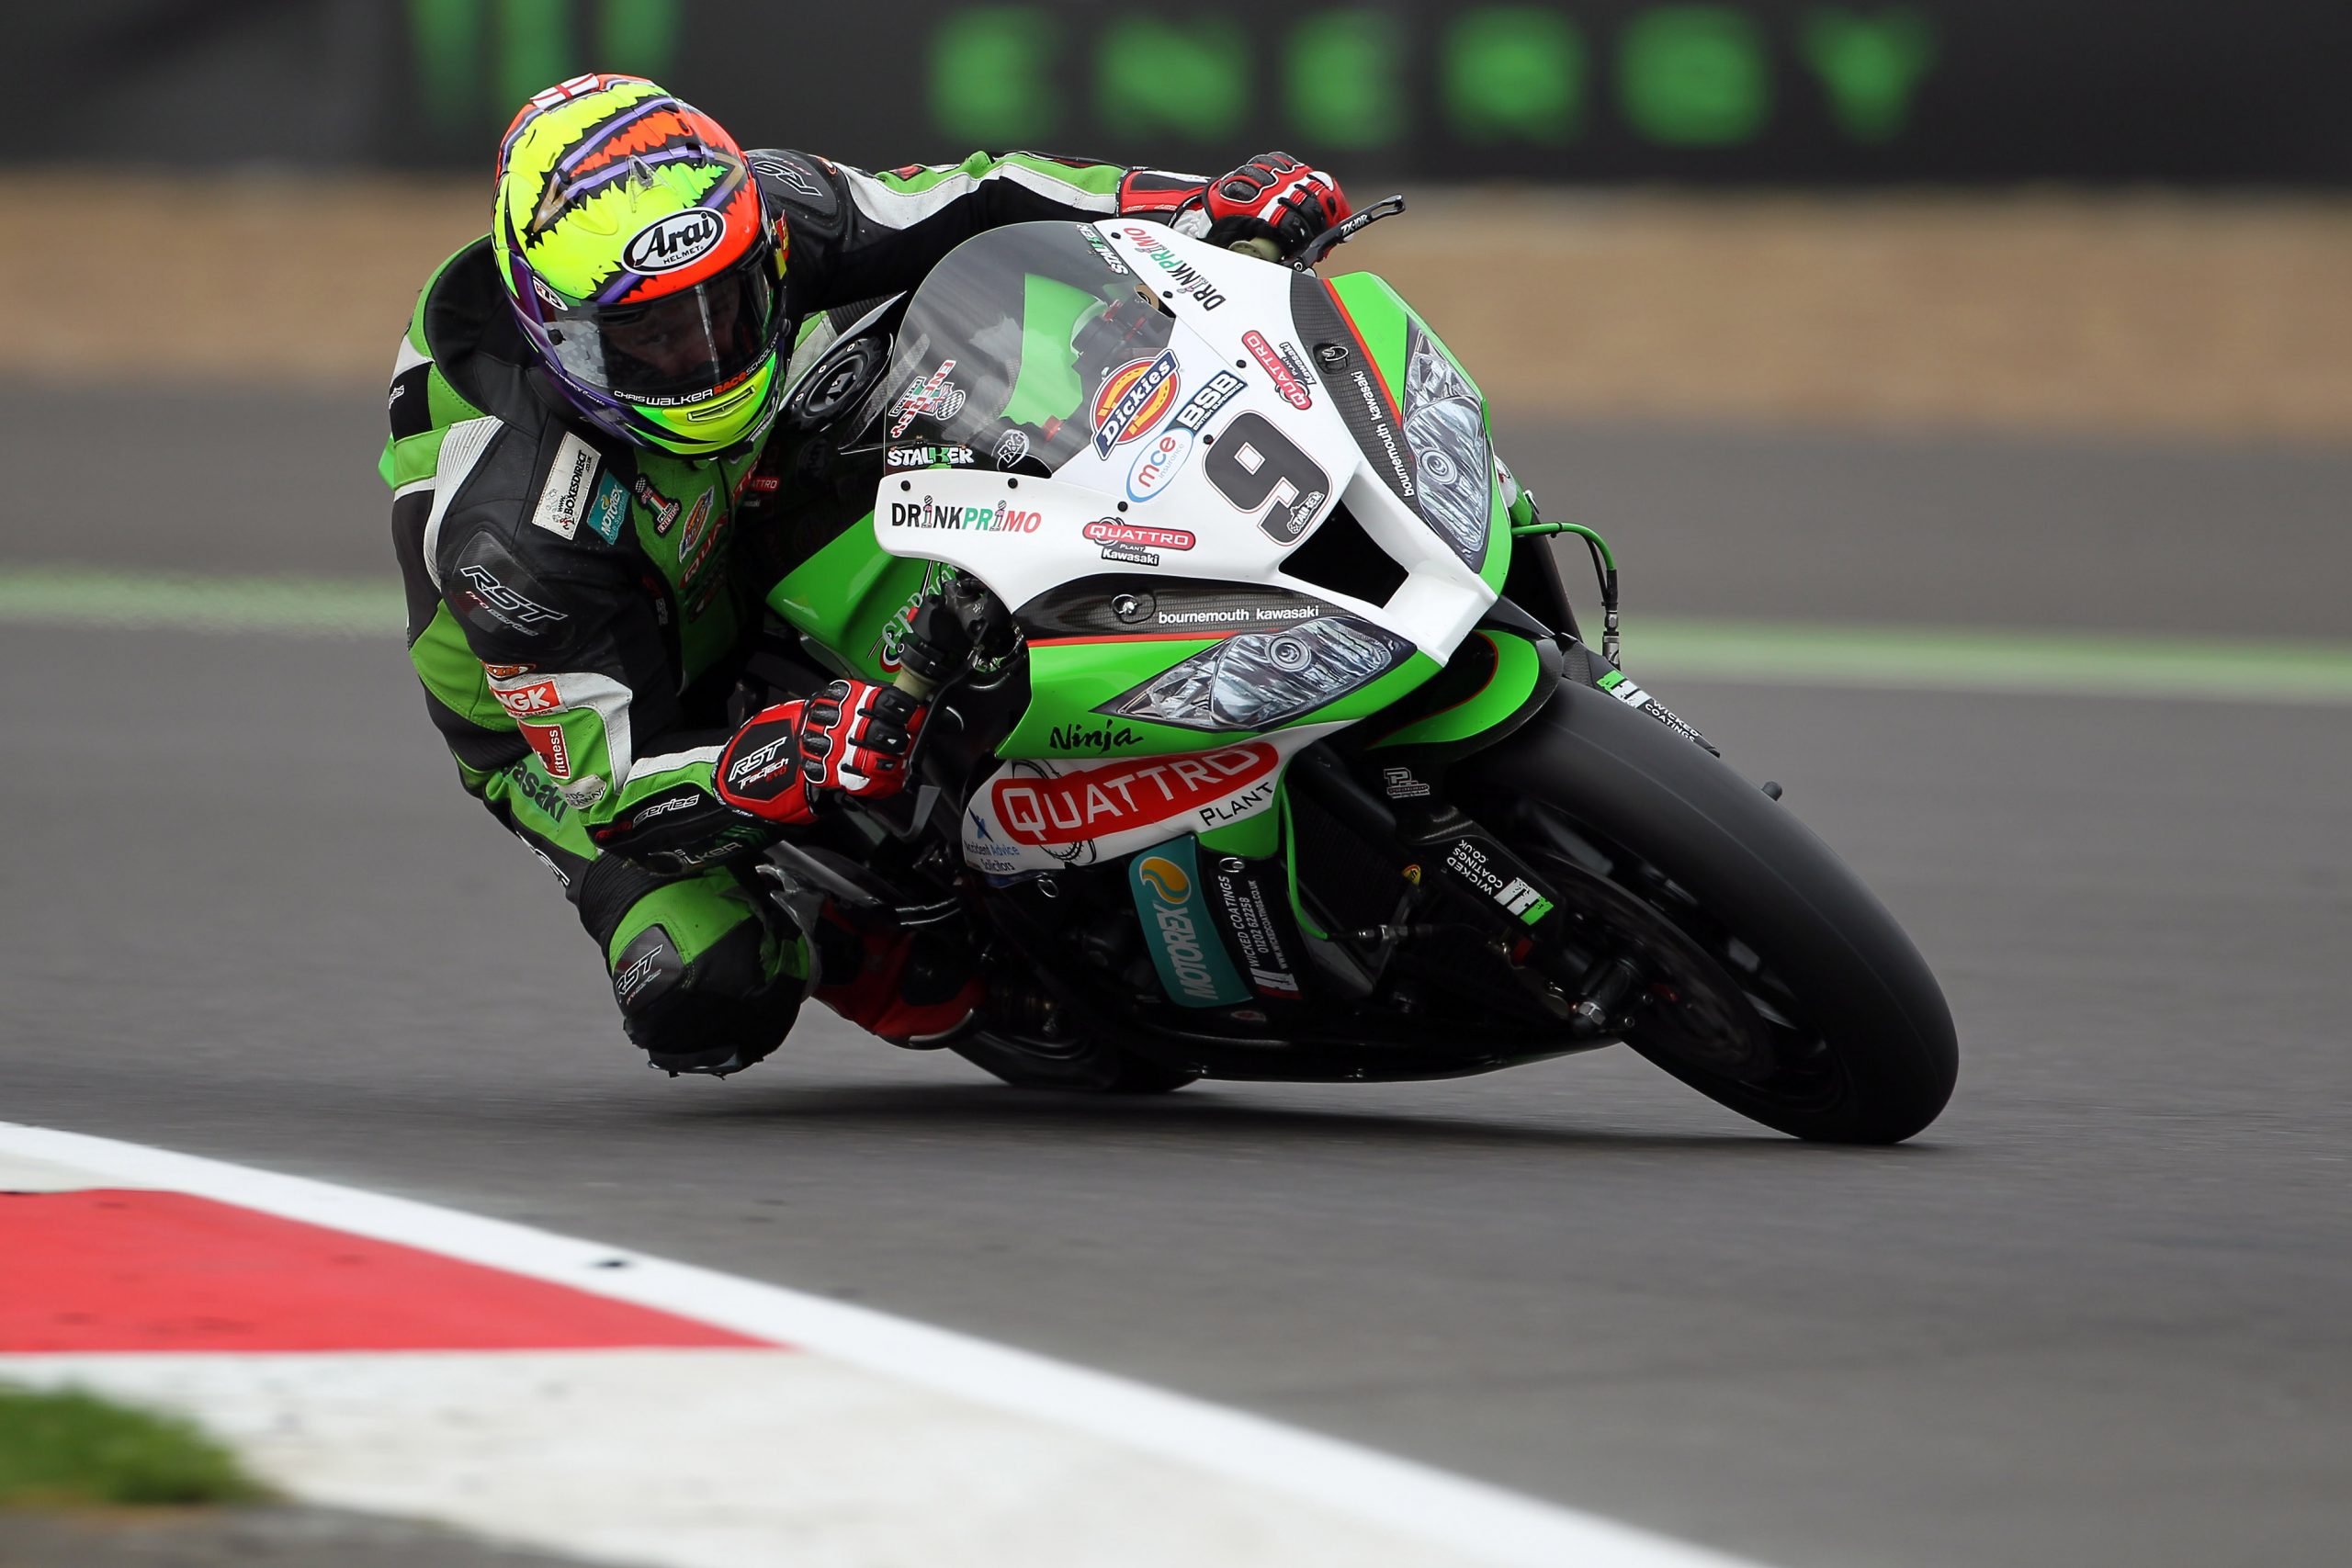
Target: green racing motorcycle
{"points": [[1269, 746]]}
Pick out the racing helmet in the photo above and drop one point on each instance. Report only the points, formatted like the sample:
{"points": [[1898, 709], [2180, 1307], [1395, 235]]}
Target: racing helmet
{"points": [[642, 263]]}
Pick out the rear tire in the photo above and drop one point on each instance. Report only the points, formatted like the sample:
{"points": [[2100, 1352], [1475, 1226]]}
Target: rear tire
{"points": [[1846, 1036], [1088, 1067]]}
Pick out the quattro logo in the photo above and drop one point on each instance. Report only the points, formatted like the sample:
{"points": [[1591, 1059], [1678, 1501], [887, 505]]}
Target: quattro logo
{"points": [[1111, 531], [1131, 400], [1293, 390], [1195, 968], [1101, 801]]}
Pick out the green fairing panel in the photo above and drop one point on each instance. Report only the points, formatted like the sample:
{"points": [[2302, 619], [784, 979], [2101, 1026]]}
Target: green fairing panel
{"points": [[1253, 838], [1380, 314], [1069, 682], [1048, 387], [846, 596], [1518, 669]]}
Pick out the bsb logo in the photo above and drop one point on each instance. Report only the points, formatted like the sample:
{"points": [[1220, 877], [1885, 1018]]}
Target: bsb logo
{"points": [[537, 697], [1103, 801], [1133, 399]]}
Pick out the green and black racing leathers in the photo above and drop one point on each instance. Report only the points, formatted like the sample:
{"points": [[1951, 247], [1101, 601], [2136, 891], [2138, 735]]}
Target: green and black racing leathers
{"points": [[578, 611]]}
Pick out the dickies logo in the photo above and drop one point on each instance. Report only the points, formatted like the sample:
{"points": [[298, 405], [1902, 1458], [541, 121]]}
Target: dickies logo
{"points": [[1131, 400]]}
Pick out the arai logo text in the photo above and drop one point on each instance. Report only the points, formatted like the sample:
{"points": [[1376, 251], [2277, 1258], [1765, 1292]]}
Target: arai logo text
{"points": [[668, 244]]}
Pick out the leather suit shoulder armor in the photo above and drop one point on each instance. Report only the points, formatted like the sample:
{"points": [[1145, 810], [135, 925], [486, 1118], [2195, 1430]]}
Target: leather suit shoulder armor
{"points": [[807, 189]]}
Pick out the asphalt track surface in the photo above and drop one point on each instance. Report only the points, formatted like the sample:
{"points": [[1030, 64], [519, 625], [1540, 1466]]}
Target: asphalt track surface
{"points": [[2095, 1315]]}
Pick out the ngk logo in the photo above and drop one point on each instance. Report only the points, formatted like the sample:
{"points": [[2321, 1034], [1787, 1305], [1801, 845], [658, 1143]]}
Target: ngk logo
{"points": [[537, 697]]}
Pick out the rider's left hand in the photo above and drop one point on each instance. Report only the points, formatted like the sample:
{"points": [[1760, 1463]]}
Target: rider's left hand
{"points": [[856, 736], [1274, 198]]}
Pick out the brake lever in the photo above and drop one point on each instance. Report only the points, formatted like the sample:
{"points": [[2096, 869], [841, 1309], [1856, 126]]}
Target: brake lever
{"points": [[1346, 229]]}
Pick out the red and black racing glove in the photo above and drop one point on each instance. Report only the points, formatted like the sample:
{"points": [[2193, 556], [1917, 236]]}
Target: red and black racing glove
{"points": [[852, 739], [1273, 197]]}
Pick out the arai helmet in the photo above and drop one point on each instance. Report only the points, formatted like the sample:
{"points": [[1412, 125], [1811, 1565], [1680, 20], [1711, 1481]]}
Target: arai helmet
{"points": [[642, 264]]}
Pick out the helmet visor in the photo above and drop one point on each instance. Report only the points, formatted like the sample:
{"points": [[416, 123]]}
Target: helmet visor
{"points": [[679, 348]]}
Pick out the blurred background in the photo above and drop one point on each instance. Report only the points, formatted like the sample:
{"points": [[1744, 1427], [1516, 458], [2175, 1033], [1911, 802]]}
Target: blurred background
{"points": [[1966, 385]]}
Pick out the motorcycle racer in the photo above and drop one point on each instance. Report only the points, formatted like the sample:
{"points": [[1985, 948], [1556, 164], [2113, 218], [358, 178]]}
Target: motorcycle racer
{"points": [[578, 416]]}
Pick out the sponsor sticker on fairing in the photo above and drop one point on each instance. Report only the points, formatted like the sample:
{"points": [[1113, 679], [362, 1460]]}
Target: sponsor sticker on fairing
{"points": [[1097, 802], [1158, 462], [927, 456], [1287, 383], [1466, 861], [1199, 408], [928, 513], [985, 850], [934, 397], [1134, 544], [1195, 968], [1253, 926], [1187, 278], [1132, 398], [563, 499]]}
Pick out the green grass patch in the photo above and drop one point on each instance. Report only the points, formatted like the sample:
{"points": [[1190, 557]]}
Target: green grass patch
{"points": [[73, 1448]]}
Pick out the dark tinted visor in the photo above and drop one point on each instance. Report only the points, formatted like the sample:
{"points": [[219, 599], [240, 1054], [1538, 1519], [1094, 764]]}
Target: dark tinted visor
{"points": [[680, 347]]}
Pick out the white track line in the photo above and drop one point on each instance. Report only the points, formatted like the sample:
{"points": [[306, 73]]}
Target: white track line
{"points": [[1463, 1515]]}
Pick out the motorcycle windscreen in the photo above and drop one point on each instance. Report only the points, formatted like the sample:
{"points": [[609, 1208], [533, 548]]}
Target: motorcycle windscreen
{"points": [[1027, 344]]}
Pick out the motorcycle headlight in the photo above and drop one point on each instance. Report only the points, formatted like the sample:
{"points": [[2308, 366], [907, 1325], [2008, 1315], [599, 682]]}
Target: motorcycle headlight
{"points": [[1453, 462], [1259, 679]]}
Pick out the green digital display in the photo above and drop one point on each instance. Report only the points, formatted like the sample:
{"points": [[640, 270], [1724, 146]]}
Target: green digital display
{"points": [[1678, 75], [1350, 78]]}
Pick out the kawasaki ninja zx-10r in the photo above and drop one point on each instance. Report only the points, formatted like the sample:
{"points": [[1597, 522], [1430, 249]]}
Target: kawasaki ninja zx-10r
{"points": [[1268, 747]]}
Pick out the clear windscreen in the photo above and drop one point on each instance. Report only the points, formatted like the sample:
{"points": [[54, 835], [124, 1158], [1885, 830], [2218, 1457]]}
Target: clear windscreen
{"points": [[1009, 340]]}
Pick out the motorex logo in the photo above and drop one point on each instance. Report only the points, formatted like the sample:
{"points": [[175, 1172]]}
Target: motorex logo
{"points": [[1195, 968]]}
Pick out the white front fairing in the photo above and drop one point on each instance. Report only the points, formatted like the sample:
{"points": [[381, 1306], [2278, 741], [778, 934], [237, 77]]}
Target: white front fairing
{"points": [[1139, 499]]}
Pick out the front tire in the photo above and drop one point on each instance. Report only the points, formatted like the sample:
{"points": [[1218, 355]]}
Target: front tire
{"points": [[1800, 1002]]}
